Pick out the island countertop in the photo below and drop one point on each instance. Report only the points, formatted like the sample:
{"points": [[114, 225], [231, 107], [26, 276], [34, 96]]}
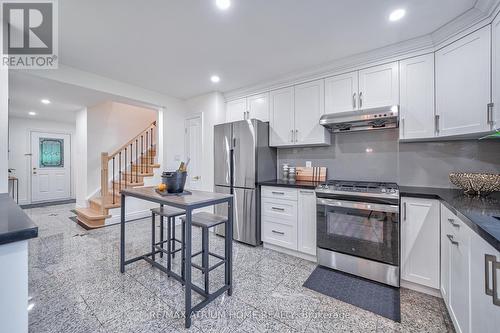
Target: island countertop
{"points": [[481, 214], [15, 225]]}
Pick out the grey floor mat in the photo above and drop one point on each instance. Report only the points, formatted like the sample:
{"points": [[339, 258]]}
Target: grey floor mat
{"points": [[368, 295]]}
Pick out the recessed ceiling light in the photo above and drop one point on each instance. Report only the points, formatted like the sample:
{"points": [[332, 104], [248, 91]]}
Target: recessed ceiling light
{"points": [[397, 15], [215, 79], [223, 4], [45, 101], [32, 113]]}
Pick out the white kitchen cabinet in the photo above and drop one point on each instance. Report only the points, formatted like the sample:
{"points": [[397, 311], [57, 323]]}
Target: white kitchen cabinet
{"points": [[485, 315], [309, 107], [420, 241], [282, 117], [294, 116], [463, 84], [288, 218], [417, 97], [258, 107], [236, 110], [457, 278], [445, 254], [496, 73], [341, 93], [379, 86], [306, 225]]}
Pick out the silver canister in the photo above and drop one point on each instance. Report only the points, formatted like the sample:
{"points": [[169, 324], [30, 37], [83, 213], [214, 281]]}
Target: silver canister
{"points": [[284, 171], [291, 174]]}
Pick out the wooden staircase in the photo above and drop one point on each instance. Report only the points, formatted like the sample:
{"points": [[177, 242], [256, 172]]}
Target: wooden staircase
{"points": [[126, 167]]}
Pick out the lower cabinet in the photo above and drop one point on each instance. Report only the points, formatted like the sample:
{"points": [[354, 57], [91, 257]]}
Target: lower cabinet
{"points": [[420, 241], [289, 218]]}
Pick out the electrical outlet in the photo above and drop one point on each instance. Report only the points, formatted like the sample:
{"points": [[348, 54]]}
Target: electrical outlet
{"points": [[309, 164]]}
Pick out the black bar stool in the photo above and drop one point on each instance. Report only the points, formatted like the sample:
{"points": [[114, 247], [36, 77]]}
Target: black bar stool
{"points": [[170, 213], [205, 221]]}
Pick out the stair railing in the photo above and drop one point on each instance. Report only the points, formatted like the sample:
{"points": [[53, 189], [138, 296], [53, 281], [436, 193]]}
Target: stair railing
{"points": [[134, 157]]}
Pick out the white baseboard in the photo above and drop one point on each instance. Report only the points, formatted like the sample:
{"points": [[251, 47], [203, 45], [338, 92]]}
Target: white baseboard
{"points": [[420, 288], [115, 219], [290, 252]]}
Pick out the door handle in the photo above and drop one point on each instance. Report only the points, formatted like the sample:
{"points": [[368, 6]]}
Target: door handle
{"points": [[278, 209], [436, 123], [454, 242], [496, 267], [296, 135], [488, 259], [489, 113], [360, 99], [278, 232], [292, 135], [404, 211], [354, 101], [403, 127], [452, 221]]}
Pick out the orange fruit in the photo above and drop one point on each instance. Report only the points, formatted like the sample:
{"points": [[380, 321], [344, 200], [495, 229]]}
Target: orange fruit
{"points": [[161, 187]]}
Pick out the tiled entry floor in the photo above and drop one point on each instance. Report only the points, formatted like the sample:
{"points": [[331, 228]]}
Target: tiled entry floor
{"points": [[75, 286]]}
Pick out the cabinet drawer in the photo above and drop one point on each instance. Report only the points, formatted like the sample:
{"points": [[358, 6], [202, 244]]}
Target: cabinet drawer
{"points": [[280, 209], [276, 233], [279, 193]]}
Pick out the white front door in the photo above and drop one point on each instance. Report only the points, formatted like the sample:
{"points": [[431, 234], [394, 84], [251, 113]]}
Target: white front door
{"points": [[194, 137], [50, 166]]}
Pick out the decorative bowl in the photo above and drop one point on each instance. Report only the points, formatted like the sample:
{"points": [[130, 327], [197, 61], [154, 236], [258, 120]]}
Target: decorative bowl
{"points": [[480, 184]]}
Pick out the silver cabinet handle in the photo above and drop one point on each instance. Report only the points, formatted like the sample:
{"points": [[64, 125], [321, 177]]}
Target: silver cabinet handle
{"points": [[292, 131], [496, 267], [360, 99], [280, 193], [306, 192], [404, 211], [403, 126], [436, 123], [354, 101], [489, 113], [452, 221], [454, 242], [277, 232], [278, 209], [488, 259], [296, 135]]}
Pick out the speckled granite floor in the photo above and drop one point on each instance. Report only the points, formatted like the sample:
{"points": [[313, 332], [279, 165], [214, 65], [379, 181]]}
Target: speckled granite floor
{"points": [[75, 286]]}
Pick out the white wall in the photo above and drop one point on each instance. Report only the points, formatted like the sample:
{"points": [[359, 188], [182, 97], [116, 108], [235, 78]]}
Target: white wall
{"points": [[213, 109], [80, 165], [20, 145], [4, 121]]}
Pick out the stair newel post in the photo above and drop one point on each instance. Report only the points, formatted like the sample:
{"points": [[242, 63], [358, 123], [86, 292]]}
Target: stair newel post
{"points": [[152, 157], [119, 172], [147, 151], [104, 178], [142, 153], [113, 180], [125, 168], [131, 166], [136, 159]]}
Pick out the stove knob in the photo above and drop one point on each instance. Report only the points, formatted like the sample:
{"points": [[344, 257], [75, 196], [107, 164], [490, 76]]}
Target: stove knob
{"points": [[383, 190]]}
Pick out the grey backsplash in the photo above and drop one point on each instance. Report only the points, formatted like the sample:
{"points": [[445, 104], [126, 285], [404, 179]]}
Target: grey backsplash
{"points": [[378, 156]]}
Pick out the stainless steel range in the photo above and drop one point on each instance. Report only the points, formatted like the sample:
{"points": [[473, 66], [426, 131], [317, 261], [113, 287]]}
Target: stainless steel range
{"points": [[358, 229]]}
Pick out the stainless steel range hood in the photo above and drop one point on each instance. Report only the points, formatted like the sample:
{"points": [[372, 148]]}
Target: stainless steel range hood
{"points": [[362, 120]]}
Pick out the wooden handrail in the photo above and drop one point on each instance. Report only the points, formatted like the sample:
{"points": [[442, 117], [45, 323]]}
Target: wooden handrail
{"points": [[152, 125]]}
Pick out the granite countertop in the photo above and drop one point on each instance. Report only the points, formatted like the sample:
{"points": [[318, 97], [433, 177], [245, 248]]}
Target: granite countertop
{"points": [[481, 214], [15, 225], [296, 184]]}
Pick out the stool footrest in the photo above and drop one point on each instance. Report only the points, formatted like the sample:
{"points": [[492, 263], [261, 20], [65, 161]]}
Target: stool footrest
{"points": [[166, 251]]}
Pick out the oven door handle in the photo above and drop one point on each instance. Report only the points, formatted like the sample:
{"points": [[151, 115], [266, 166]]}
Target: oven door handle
{"points": [[358, 205]]}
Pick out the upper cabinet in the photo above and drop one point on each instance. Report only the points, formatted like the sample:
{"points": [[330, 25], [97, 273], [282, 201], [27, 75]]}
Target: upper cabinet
{"points": [[341, 93], [417, 97], [495, 109], [252, 107], [379, 86], [368, 88], [295, 113], [463, 85]]}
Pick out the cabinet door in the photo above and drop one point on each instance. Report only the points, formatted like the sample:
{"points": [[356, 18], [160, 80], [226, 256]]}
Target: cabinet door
{"points": [[463, 85], [236, 110], [341, 93], [496, 72], [420, 241], [459, 299], [306, 223], [485, 316], [309, 107], [258, 106], [282, 120], [417, 97], [379, 86]]}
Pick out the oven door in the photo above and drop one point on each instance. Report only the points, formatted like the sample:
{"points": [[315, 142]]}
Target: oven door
{"points": [[366, 230]]}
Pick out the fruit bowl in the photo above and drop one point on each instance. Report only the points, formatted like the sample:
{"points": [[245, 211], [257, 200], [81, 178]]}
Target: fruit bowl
{"points": [[480, 184]]}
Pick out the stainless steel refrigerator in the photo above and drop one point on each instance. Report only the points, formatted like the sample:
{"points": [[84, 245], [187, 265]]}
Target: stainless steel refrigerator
{"points": [[243, 158]]}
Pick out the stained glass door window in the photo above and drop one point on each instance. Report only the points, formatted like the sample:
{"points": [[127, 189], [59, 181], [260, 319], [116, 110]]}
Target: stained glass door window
{"points": [[51, 153]]}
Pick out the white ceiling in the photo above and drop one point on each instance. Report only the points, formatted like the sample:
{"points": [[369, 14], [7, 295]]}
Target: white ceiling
{"points": [[173, 46], [26, 92]]}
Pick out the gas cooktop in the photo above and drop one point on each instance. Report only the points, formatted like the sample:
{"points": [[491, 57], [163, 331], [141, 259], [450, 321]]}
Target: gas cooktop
{"points": [[358, 188]]}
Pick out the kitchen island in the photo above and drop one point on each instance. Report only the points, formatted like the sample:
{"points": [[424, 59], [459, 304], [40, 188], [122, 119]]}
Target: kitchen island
{"points": [[187, 202], [16, 228]]}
